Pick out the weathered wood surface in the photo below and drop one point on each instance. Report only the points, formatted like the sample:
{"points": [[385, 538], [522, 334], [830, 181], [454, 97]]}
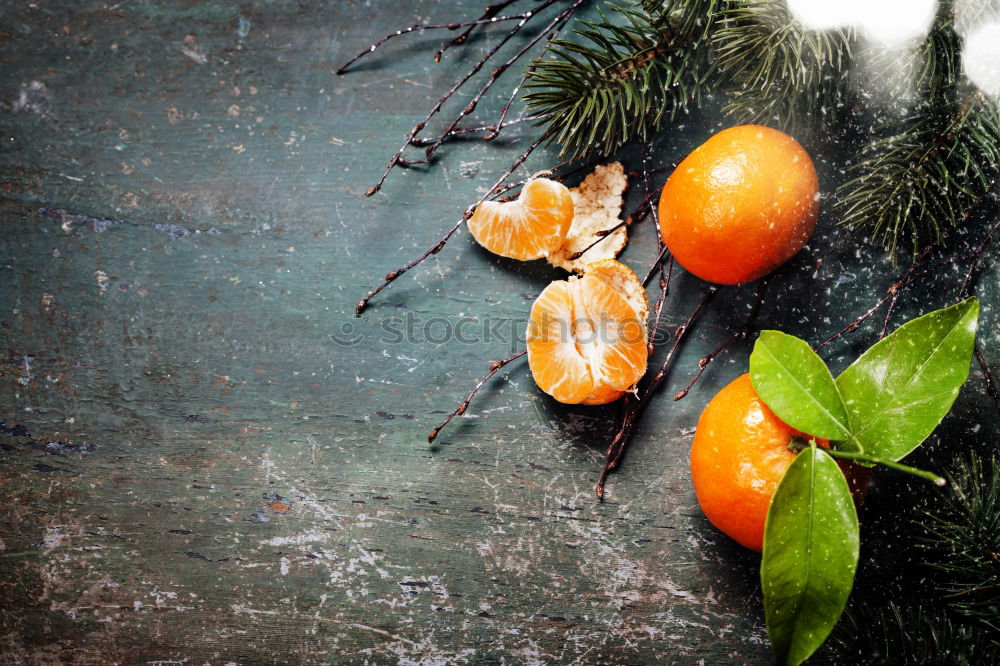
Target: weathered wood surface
{"points": [[194, 470]]}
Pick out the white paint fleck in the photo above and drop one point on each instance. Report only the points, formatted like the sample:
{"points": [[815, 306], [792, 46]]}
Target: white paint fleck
{"points": [[296, 540], [102, 281], [194, 54]]}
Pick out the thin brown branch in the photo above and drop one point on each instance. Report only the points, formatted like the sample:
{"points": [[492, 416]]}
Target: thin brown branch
{"points": [[498, 71], [494, 368], [664, 281], [656, 265], [739, 335], [394, 161], [895, 296], [616, 450], [488, 13], [976, 256], [895, 287], [422, 142], [494, 131], [437, 247], [601, 235], [420, 27], [991, 387], [548, 173]]}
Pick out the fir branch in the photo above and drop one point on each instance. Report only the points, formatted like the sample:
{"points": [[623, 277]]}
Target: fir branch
{"points": [[936, 158], [949, 614], [963, 542], [923, 172], [904, 634], [624, 74], [779, 73], [930, 71]]}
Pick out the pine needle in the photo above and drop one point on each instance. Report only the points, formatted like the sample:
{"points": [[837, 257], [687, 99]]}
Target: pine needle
{"points": [[623, 75], [923, 172], [779, 73], [963, 542]]}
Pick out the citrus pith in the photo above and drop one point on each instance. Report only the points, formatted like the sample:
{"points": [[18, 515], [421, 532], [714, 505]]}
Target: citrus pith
{"points": [[587, 335]]}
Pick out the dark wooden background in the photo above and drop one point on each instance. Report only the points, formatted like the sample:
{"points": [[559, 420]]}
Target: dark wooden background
{"points": [[194, 465]]}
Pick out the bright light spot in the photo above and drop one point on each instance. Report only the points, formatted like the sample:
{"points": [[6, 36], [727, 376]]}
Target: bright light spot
{"points": [[823, 14], [888, 21], [981, 58], [894, 21]]}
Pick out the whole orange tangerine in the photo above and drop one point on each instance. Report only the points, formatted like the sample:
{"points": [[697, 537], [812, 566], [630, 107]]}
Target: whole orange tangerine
{"points": [[739, 454], [740, 205]]}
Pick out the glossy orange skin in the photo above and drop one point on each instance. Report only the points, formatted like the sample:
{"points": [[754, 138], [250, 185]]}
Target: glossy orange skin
{"points": [[740, 205], [739, 454]]}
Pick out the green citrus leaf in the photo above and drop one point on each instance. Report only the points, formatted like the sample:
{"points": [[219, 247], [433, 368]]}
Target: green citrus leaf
{"points": [[796, 384], [811, 541], [899, 390]]}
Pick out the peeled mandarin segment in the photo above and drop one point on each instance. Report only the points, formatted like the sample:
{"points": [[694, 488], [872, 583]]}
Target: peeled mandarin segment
{"points": [[556, 365], [602, 396], [586, 341], [740, 205], [624, 281], [617, 350], [529, 227]]}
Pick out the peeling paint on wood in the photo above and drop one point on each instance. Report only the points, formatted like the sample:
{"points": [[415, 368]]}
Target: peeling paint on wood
{"points": [[205, 458]]}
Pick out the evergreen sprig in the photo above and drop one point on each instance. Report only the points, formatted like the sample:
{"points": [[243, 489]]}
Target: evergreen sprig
{"points": [[904, 634], [950, 614], [931, 152], [963, 543], [934, 156], [778, 73], [622, 75], [923, 172]]}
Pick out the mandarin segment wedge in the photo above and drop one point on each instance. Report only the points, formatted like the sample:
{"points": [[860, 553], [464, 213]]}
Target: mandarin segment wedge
{"points": [[530, 227], [587, 336]]}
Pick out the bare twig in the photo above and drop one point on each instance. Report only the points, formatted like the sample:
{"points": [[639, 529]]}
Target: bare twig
{"points": [[422, 142], [991, 387], [664, 281], [494, 131], [601, 235], [656, 265], [488, 13], [976, 256], [498, 71], [616, 450], [394, 161], [739, 335], [895, 296], [494, 368], [419, 27], [390, 277]]}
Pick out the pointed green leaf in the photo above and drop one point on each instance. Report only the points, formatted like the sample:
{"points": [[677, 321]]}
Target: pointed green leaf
{"points": [[796, 384], [899, 390], [811, 541]]}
